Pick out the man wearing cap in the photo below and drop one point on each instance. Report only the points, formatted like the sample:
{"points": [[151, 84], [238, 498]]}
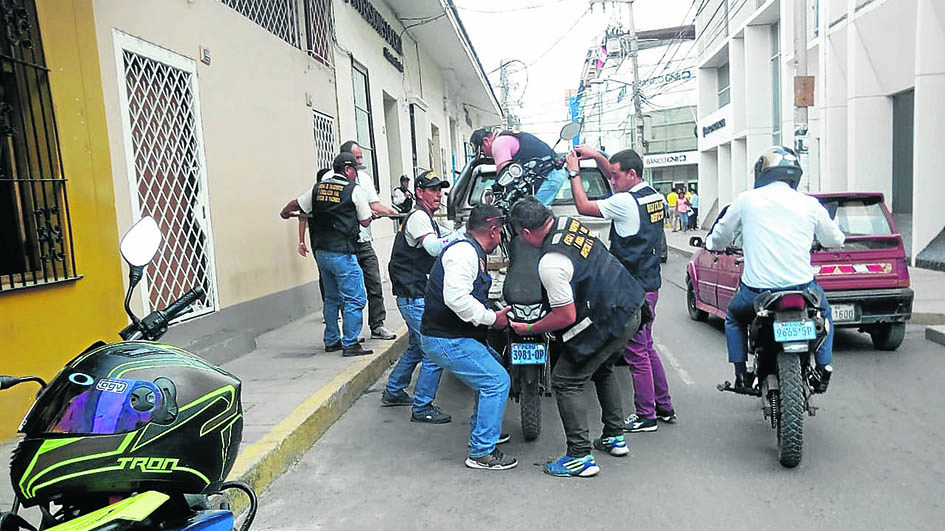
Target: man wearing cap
{"points": [[338, 208], [520, 147], [367, 258], [416, 246]]}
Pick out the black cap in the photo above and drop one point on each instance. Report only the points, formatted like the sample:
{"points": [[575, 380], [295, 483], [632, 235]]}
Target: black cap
{"points": [[343, 160], [429, 179], [478, 135]]}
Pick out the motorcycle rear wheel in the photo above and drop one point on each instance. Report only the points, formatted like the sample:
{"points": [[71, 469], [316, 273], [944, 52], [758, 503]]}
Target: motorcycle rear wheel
{"points": [[790, 411], [531, 409]]}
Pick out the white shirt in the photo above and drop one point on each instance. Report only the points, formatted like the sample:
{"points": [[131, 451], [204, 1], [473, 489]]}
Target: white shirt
{"points": [[361, 204], [778, 226], [556, 270], [367, 184], [460, 269], [623, 209]]}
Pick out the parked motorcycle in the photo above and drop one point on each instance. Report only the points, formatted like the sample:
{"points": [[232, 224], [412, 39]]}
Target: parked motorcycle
{"points": [[787, 329], [131, 435]]}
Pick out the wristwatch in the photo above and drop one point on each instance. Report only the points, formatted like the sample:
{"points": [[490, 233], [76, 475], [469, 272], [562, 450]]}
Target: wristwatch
{"points": [[573, 173]]}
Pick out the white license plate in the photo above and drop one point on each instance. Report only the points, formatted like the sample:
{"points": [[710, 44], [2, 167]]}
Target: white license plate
{"points": [[794, 331], [843, 312], [528, 353]]}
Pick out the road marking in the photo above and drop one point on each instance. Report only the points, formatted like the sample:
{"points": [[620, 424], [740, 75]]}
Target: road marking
{"points": [[668, 354]]}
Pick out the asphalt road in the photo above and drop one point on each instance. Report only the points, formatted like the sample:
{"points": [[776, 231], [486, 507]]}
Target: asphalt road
{"points": [[873, 454]]}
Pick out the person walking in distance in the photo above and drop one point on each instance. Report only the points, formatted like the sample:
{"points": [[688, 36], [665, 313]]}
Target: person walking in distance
{"points": [[416, 246], [367, 258], [636, 209]]}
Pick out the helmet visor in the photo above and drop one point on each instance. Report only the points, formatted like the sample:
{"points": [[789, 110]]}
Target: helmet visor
{"points": [[87, 406]]}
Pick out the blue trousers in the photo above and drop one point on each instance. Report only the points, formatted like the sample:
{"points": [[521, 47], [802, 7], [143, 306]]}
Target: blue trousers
{"points": [[477, 366], [344, 288], [741, 311], [429, 377], [548, 188]]}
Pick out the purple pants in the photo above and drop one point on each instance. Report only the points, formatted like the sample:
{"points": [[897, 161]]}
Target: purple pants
{"points": [[650, 390]]}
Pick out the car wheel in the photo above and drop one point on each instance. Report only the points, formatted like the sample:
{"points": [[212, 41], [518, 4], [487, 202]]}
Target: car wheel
{"points": [[888, 336], [694, 313]]}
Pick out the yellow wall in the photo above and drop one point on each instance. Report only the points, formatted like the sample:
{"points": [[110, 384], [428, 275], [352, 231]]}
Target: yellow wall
{"points": [[42, 328]]}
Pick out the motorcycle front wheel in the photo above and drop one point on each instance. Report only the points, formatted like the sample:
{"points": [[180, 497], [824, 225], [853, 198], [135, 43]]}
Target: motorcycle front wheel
{"points": [[530, 400], [790, 410]]}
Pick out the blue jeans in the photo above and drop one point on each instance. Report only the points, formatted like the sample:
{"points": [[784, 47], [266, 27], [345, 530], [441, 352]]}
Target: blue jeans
{"points": [[549, 186], [741, 311], [429, 377], [344, 288], [475, 365]]}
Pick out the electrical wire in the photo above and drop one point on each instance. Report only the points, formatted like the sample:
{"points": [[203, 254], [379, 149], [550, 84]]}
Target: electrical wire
{"points": [[509, 10]]}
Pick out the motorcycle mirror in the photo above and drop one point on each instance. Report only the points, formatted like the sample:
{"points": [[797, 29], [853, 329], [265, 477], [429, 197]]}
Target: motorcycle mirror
{"points": [[570, 130], [141, 242], [487, 197], [695, 241]]}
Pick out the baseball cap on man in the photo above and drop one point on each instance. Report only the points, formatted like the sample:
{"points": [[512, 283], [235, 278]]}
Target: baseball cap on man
{"points": [[429, 179], [343, 160], [478, 135]]}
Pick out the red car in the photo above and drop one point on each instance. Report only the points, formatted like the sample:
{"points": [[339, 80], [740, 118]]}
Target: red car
{"points": [[866, 282]]}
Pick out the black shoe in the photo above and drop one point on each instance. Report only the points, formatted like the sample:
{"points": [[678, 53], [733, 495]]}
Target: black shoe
{"points": [[669, 417], [504, 438], [740, 383], [492, 461], [334, 347], [402, 399], [356, 350], [431, 416], [820, 378]]}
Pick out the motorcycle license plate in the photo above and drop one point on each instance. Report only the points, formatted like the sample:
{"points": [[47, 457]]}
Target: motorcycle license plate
{"points": [[785, 331], [528, 353], [843, 312]]}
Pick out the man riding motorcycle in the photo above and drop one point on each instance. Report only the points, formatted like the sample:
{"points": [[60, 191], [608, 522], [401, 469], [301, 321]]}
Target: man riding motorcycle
{"points": [[778, 226], [520, 147]]}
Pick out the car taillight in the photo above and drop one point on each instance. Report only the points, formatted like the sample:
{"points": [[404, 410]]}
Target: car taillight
{"points": [[832, 269], [792, 301]]}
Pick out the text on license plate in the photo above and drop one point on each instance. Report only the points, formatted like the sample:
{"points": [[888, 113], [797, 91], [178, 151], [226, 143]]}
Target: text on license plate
{"points": [[794, 331], [842, 312], [528, 353]]}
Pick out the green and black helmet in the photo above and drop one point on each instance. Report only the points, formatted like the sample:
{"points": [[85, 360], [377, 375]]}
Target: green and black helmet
{"points": [[125, 418]]}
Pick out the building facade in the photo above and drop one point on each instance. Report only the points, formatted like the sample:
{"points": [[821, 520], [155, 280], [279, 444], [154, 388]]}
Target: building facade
{"points": [[877, 100]]}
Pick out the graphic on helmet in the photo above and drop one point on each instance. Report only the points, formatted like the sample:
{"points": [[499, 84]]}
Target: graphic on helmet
{"points": [[778, 163]]}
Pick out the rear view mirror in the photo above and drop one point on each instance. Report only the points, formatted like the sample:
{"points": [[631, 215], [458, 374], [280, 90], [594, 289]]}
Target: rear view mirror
{"points": [[487, 197], [141, 242], [570, 131], [696, 241]]}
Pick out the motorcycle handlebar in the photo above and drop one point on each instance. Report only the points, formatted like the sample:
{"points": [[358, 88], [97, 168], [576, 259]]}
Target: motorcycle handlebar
{"points": [[183, 303], [153, 326]]}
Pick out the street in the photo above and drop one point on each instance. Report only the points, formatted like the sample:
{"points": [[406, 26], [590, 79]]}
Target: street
{"points": [[873, 457]]}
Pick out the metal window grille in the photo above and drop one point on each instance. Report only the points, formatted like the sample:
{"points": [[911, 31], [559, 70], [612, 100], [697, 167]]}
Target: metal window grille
{"points": [[279, 17], [168, 178], [35, 232], [325, 150], [319, 29]]}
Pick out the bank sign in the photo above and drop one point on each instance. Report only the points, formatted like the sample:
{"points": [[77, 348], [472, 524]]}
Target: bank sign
{"points": [[679, 158]]}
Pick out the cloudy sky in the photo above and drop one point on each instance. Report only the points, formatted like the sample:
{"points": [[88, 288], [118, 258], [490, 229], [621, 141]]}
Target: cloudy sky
{"points": [[550, 38]]}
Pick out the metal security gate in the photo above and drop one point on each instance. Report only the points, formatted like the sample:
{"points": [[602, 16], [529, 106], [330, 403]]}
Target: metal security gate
{"points": [[166, 167], [325, 150]]}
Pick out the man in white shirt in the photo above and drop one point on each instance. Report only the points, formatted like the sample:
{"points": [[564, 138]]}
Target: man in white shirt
{"points": [[367, 258], [778, 226], [453, 332]]}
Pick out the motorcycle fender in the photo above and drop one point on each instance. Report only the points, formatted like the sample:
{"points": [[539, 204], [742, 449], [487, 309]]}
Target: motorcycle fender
{"points": [[772, 382], [131, 510], [531, 373]]}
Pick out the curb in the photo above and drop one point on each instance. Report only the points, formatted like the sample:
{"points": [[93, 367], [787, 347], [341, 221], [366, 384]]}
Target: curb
{"points": [[260, 463], [935, 334], [927, 318]]}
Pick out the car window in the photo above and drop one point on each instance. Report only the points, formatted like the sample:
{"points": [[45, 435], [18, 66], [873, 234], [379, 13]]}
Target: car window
{"points": [[595, 184], [859, 216]]}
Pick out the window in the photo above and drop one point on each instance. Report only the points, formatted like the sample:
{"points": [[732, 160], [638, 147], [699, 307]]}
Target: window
{"points": [[35, 232], [279, 17], [776, 83], [364, 125], [723, 83], [319, 28]]}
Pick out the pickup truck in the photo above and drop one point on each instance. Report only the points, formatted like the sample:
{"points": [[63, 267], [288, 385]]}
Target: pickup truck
{"points": [[866, 281]]}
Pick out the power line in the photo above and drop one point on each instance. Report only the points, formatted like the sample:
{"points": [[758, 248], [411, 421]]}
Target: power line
{"points": [[509, 10]]}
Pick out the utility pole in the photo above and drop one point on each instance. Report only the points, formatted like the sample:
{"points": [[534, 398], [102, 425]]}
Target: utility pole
{"points": [[638, 144], [803, 89], [504, 84]]}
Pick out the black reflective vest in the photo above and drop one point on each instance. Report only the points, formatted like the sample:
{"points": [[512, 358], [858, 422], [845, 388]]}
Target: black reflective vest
{"points": [[640, 252], [529, 147], [409, 266], [438, 319], [334, 223], [605, 295]]}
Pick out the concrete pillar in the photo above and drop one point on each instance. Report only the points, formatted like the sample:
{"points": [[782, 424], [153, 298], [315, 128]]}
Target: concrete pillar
{"points": [[869, 125], [737, 82], [928, 216], [758, 99], [740, 178], [834, 110], [725, 174], [708, 185]]}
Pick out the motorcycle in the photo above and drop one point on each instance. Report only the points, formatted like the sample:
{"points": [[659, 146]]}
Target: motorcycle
{"points": [[131, 435], [787, 329]]}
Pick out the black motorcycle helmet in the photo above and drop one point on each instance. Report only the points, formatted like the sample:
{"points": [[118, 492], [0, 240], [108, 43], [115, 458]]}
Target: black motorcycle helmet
{"points": [[778, 163], [125, 418]]}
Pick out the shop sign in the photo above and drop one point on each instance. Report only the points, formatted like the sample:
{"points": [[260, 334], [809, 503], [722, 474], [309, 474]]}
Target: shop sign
{"points": [[376, 20], [671, 159]]}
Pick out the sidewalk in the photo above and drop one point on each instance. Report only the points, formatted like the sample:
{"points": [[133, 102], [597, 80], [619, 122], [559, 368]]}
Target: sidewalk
{"points": [[928, 308]]}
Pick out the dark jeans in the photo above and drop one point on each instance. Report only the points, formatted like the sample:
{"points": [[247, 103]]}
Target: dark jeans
{"points": [[693, 217], [568, 380], [367, 259]]}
